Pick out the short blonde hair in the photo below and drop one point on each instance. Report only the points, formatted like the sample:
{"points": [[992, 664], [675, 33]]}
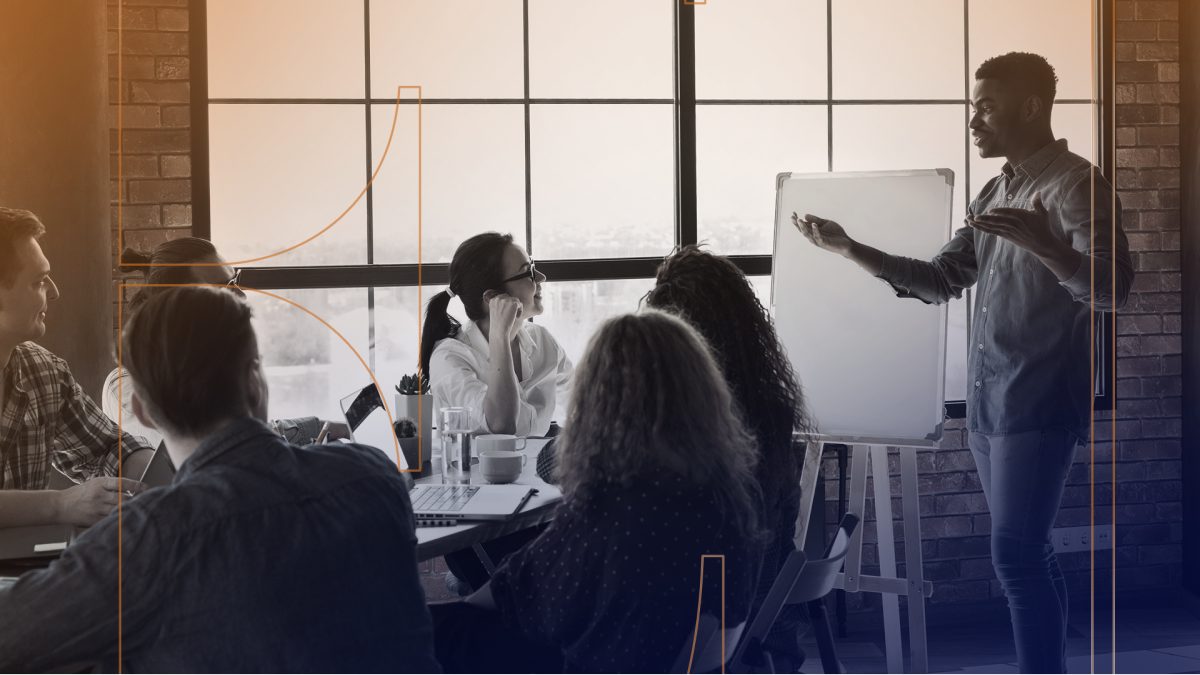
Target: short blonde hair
{"points": [[651, 401], [15, 225]]}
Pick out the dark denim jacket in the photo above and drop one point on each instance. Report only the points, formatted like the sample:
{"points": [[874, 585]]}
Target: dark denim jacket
{"points": [[260, 556]]}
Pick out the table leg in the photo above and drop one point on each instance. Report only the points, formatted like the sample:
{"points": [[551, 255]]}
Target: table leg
{"points": [[885, 529], [842, 460]]}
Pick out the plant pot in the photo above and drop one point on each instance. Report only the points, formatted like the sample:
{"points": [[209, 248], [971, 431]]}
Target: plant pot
{"points": [[419, 409]]}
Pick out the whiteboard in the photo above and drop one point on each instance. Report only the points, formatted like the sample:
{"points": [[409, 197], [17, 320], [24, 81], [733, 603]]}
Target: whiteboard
{"points": [[872, 365]]}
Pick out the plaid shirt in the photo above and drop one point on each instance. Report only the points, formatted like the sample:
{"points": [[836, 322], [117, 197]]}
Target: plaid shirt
{"points": [[45, 417]]}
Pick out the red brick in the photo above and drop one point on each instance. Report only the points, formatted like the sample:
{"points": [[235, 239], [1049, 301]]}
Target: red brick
{"points": [[1168, 30], [1170, 242], [1138, 408], [1138, 324], [1159, 178], [1153, 303], [1172, 324], [1127, 135], [1172, 365], [133, 166], [167, 44], [1158, 135], [1168, 385], [173, 68], [1158, 51], [1135, 31], [160, 191], [116, 191], [1139, 114], [177, 215], [1168, 157], [1147, 345], [1146, 283], [149, 140], [1169, 114], [134, 116], [1125, 11], [173, 19], [1126, 93], [1127, 180], [1157, 93], [1160, 221], [1144, 241], [1156, 261], [176, 116], [1157, 10], [1169, 198], [146, 240], [176, 166], [1137, 72], [133, 67], [1126, 52], [135, 216], [1165, 427], [1140, 200], [132, 18], [160, 92], [1136, 157], [1168, 72]]}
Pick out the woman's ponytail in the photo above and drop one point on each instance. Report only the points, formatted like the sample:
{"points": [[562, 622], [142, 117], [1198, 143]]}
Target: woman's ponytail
{"points": [[439, 325]]}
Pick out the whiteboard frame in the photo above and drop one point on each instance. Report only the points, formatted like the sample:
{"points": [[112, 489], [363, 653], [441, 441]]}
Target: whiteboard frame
{"points": [[933, 439]]}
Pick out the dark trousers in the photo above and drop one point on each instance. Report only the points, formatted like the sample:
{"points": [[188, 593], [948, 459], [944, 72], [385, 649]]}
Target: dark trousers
{"points": [[470, 639], [1023, 477]]}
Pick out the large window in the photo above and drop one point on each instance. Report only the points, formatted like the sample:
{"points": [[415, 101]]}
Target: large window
{"points": [[601, 134]]}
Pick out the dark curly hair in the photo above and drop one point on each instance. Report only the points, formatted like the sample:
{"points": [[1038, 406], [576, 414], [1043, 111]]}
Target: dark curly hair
{"points": [[712, 294], [1030, 73]]}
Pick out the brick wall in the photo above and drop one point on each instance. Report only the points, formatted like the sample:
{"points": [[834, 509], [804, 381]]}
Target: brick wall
{"points": [[955, 524], [157, 194], [156, 190]]}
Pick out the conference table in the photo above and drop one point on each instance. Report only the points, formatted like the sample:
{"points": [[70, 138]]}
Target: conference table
{"points": [[438, 541]]}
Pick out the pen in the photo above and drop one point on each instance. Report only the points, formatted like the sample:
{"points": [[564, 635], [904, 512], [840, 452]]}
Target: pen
{"points": [[321, 435]]}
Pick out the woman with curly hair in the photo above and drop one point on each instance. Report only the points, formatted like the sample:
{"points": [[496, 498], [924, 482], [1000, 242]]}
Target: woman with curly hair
{"points": [[717, 299], [656, 470]]}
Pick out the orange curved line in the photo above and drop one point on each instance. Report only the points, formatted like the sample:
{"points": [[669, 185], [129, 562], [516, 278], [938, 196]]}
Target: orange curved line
{"points": [[335, 221], [357, 355]]}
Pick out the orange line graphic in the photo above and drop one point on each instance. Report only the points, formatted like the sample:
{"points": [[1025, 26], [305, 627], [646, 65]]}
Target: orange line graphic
{"points": [[699, 602], [335, 221]]}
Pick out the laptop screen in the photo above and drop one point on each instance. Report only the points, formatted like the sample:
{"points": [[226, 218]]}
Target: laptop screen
{"points": [[369, 424]]}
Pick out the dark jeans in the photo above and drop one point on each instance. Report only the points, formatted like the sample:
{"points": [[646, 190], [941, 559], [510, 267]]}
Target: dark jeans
{"points": [[470, 639], [1023, 476]]}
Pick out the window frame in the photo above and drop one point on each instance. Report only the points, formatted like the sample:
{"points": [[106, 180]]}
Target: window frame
{"points": [[372, 276]]}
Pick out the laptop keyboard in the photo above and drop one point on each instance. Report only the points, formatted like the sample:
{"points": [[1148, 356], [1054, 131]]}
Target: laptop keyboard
{"points": [[444, 498]]}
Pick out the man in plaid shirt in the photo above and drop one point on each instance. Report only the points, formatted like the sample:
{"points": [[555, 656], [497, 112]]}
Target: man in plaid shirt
{"points": [[45, 417]]}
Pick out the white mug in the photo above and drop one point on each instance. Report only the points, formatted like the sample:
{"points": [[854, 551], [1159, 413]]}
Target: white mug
{"points": [[501, 466], [504, 442]]}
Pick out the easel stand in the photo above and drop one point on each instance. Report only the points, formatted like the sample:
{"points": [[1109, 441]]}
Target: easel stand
{"points": [[871, 457]]}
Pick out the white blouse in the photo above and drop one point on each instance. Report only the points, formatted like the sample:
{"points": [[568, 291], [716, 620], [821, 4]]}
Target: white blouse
{"points": [[458, 371]]}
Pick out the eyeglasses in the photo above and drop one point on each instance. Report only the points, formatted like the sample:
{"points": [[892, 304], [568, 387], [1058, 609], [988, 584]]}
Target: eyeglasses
{"points": [[530, 274], [236, 279]]}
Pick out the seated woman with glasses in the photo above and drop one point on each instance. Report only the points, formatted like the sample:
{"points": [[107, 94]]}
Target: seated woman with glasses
{"points": [[511, 374], [657, 472], [713, 295], [186, 260]]}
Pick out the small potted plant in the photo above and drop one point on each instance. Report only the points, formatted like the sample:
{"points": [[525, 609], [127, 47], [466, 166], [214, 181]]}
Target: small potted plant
{"points": [[414, 402], [406, 434]]}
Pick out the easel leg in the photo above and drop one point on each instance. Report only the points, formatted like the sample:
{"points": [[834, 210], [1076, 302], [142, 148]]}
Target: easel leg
{"points": [[913, 561], [858, 505], [808, 484], [886, 538]]}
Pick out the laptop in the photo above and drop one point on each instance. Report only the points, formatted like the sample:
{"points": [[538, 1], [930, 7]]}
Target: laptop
{"points": [[368, 423]]}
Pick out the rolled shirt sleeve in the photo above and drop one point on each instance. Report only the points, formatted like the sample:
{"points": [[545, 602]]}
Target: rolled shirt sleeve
{"points": [[935, 281], [1105, 268]]}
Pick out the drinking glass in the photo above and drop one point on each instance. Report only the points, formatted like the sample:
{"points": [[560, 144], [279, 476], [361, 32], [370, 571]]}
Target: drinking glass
{"points": [[456, 445]]}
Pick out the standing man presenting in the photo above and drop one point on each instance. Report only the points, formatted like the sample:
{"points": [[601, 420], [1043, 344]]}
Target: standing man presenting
{"points": [[1034, 237]]}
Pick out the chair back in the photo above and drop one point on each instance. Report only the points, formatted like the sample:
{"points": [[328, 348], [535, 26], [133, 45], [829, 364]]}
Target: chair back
{"points": [[705, 651], [819, 576]]}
